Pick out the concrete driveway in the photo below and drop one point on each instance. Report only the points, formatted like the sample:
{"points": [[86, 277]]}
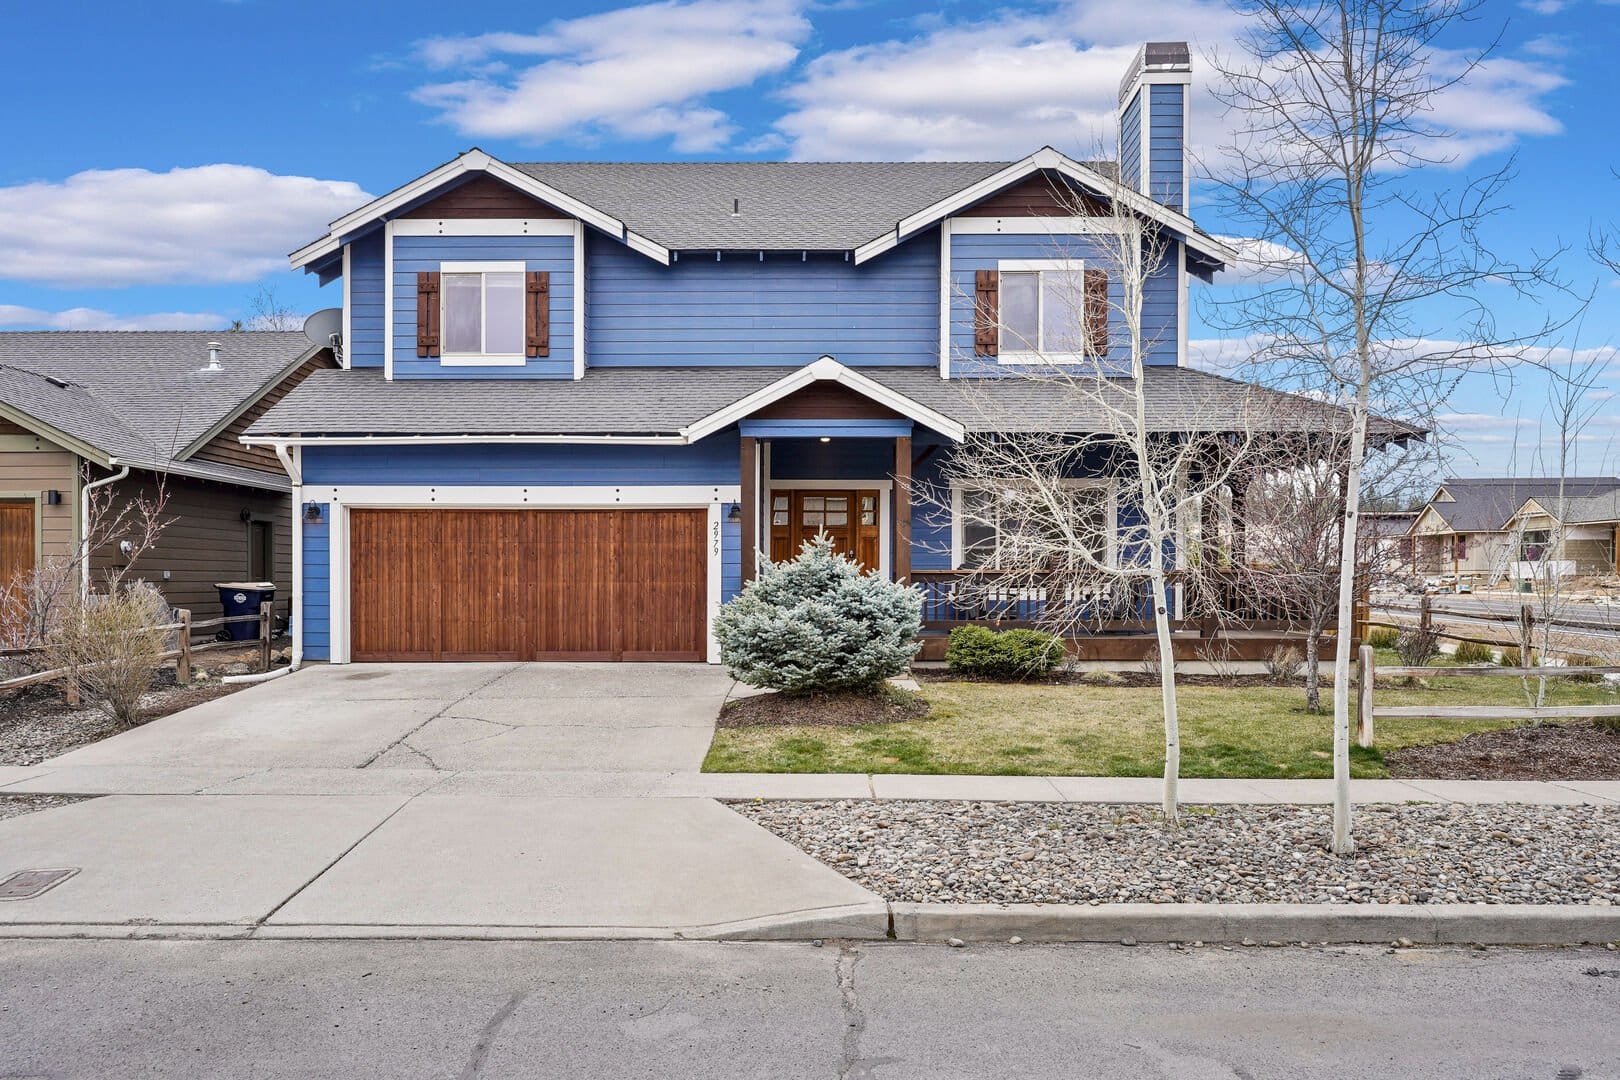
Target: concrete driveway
{"points": [[444, 717]]}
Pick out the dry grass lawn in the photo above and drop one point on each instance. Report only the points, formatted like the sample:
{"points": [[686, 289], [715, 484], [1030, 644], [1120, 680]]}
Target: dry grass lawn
{"points": [[1035, 730]]}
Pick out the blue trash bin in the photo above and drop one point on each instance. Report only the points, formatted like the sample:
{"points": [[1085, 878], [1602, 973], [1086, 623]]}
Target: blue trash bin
{"points": [[244, 598]]}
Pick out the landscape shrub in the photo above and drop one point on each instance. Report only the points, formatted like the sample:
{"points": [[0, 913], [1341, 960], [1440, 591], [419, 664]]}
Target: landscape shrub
{"points": [[1580, 660], [1474, 652], [1382, 637], [110, 646], [818, 622], [1608, 723], [1511, 657], [1416, 646], [980, 652], [1285, 664]]}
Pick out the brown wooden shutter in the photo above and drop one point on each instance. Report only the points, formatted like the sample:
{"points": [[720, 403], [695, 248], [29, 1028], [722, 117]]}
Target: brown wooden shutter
{"points": [[427, 313], [986, 312], [537, 317], [1097, 312]]}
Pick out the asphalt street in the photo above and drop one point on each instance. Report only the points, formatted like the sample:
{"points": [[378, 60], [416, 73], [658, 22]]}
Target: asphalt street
{"points": [[405, 1009]]}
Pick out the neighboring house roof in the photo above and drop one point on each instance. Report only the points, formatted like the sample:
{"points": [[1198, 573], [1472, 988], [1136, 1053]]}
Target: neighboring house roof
{"points": [[668, 402], [144, 398], [1575, 509], [1388, 523], [1487, 504], [659, 208]]}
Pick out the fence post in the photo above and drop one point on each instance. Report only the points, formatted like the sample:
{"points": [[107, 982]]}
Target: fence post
{"points": [[1365, 673], [1527, 634], [182, 663], [264, 636], [1426, 614]]}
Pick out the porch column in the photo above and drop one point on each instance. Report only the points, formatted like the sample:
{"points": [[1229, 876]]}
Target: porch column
{"points": [[750, 507], [902, 508]]}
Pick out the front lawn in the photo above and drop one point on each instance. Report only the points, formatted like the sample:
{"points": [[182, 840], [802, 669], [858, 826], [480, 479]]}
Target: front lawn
{"points": [[1069, 730]]}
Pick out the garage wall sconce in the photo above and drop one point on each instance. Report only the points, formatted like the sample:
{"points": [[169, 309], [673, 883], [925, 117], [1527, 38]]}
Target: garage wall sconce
{"points": [[53, 498]]}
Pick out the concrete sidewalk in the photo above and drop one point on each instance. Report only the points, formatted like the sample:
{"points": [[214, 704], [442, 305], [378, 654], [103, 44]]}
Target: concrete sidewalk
{"points": [[86, 779]]}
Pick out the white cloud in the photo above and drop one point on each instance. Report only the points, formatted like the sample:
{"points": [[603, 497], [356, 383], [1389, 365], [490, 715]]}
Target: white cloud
{"points": [[16, 317], [637, 72], [211, 223], [1544, 7], [1480, 422], [1257, 261]]}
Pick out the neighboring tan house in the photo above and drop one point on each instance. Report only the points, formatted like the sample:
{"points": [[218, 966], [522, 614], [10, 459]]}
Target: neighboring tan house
{"points": [[1466, 529], [77, 407], [1568, 534], [1390, 531], [580, 401]]}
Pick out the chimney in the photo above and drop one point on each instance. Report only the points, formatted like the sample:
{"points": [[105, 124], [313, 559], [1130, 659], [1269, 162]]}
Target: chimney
{"points": [[1154, 99], [213, 357]]}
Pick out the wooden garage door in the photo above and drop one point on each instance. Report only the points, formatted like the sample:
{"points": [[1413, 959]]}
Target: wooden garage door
{"points": [[527, 584]]}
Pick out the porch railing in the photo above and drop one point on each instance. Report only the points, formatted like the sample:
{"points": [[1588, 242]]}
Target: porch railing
{"points": [[1202, 602]]}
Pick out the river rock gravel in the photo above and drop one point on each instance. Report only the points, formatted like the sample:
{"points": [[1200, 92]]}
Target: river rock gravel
{"points": [[988, 852]]}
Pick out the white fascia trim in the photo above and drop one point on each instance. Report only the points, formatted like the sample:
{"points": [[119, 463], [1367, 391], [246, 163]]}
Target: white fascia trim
{"points": [[388, 300], [485, 227], [579, 299], [1041, 226], [557, 497], [1182, 329], [454, 440], [946, 227], [1047, 158], [825, 369], [348, 309], [474, 161]]}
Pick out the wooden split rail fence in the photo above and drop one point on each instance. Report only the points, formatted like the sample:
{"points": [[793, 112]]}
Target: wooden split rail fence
{"points": [[1367, 676], [181, 655]]}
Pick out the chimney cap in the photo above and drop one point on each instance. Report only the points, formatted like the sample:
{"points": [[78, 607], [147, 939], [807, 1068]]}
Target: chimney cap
{"points": [[1155, 56]]}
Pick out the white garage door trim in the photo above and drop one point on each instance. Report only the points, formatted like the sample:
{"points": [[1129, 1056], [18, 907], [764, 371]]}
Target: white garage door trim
{"points": [[344, 498]]}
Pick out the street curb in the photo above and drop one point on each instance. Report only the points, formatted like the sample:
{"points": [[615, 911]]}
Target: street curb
{"points": [[1433, 924]]}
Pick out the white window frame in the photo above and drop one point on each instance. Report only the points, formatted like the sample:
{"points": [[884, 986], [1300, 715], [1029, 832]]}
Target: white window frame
{"points": [[480, 358], [1039, 354], [1110, 512]]}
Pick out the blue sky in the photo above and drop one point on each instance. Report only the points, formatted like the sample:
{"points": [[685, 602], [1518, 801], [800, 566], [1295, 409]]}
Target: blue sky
{"points": [[160, 165]]}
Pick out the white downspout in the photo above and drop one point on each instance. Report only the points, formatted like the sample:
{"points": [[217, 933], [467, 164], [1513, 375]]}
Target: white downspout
{"points": [[84, 524], [297, 610]]}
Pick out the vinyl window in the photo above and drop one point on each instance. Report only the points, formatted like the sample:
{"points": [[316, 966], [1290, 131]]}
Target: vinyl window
{"points": [[482, 313]]}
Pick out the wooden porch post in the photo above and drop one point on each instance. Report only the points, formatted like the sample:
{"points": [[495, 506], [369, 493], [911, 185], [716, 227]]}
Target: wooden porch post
{"points": [[750, 508], [902, 508]]}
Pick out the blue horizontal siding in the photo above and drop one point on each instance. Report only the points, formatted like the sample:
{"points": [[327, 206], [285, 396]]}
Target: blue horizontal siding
{"points": [[315, 595], [740, 310], [1130, 142], [971, 252], [554, 254], [1165, 149], [367, 302], [712, 461]]}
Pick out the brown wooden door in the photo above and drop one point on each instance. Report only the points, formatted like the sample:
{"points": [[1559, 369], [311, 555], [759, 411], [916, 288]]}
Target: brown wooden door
{"points": [[848, 517], [16, 554], [527, 584]]}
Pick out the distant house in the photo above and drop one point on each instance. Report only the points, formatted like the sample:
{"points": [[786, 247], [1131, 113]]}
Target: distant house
{"points": [[1390, 533], [1568, 534], [1472, 526], [77, 407]]}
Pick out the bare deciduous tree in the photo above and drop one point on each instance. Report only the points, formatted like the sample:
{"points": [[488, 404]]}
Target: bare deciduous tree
{"points": [[1334, 103], [269, 313]]}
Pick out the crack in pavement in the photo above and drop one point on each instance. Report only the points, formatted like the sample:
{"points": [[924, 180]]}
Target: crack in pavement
{"points": [[854, 1018], [486, 1036], [480, 688]]}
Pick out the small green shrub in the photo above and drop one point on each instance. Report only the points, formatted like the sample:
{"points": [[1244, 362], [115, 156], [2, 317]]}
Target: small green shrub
{"points": [[1417, 645], [1382, 638], [1008, 654], [1512, 658], [1580, 660], [1473, 652]]}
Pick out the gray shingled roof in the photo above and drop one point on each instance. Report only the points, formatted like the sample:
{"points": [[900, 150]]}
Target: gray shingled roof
{"points": [[662, 401], [1583, 509], [143, 396], [1484, 504], [782, 205]]}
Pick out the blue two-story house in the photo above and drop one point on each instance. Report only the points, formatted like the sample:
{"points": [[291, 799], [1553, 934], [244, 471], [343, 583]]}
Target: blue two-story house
{"points": [[579, 402]]}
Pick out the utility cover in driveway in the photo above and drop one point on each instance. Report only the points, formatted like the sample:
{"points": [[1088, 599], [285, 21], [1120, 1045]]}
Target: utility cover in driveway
{"points": [[528, 584], [27, 884]]}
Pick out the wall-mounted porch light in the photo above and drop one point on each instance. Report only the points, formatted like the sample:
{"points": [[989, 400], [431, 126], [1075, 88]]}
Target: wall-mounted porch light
{"points": [[735, 513], [312, 511]]}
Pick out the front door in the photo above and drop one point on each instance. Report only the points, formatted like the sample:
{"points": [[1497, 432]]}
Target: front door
{"points": [[848, 517]]}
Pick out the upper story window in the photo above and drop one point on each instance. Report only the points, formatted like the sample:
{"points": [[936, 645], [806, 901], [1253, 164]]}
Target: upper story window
{"points": [[482, 313], [1051, 309]]}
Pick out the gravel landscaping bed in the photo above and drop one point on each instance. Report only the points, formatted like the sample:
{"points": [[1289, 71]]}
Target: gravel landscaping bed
{"points": [[18, 805], [36, 724], [980, 852]]}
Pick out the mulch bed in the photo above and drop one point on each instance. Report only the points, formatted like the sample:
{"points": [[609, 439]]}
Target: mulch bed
{"points": [[37, 723], [1573, 751], [1134, 678], [845, 708]]}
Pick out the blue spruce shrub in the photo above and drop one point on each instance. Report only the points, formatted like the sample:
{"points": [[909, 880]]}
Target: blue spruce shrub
{"points": [[818, 622]]}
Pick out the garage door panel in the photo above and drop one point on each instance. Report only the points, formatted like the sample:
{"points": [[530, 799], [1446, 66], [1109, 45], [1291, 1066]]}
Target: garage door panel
{"points": [[539, 584]]}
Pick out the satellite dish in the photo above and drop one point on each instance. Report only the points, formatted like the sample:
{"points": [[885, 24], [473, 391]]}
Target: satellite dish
{"points": [[325, 327]]}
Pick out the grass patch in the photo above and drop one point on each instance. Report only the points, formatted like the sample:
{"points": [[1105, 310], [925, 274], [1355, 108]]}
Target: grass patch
{"points": [[1068, 730]]}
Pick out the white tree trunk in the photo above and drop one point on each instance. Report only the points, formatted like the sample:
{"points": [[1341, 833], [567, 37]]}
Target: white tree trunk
{"points": [[1167, 685], [1343, 842]]}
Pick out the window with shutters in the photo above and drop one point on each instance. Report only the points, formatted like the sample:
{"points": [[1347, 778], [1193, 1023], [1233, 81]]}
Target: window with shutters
{"points": [[482, 315], [1052, 309]]}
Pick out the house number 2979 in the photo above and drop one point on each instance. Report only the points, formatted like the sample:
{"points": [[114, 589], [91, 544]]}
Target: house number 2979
{"points": [[714, 539]]}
